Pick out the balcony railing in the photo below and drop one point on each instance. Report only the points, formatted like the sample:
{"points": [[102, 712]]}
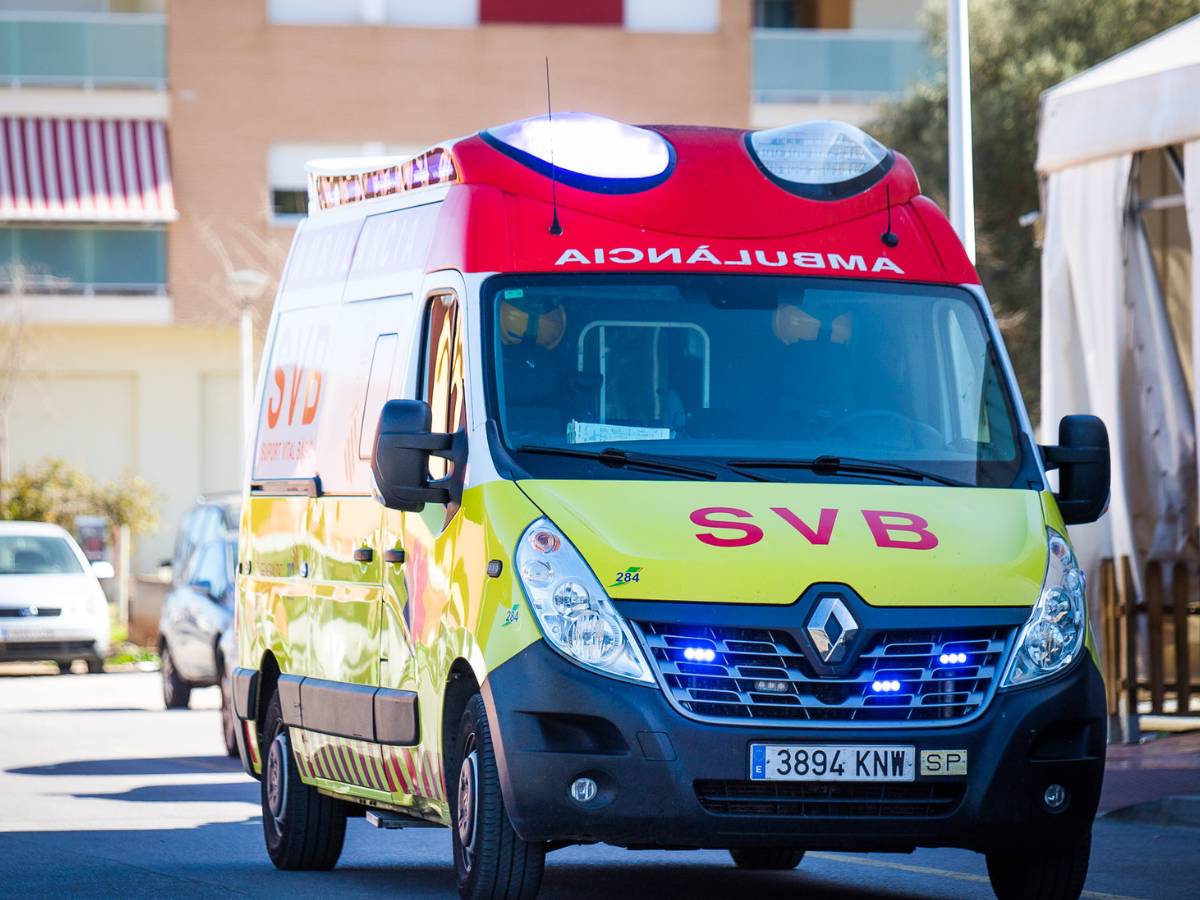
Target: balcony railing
{"points": [[803, 65], [87, 260], [83, 49]]}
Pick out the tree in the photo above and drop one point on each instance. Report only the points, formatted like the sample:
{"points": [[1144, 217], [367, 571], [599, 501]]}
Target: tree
{"points": [[1019, 48], [54, 491]]}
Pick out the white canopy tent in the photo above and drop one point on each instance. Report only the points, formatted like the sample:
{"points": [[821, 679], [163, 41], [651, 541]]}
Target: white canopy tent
{"points": [[1119, 159]]}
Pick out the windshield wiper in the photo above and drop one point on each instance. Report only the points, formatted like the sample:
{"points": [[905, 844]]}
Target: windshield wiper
{"points": [[620, 459], [832, 465]]}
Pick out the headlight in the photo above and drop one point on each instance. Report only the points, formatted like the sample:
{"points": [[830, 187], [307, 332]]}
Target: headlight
{"points": [[571, 607], [1053, 636]]}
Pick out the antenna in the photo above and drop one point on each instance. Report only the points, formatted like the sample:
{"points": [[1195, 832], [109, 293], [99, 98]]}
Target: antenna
{"points": [[555, 228], [889, 237]]}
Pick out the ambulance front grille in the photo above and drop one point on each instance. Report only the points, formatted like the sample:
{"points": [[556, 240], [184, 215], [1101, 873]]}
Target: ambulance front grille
{"points": [[762, 674]]}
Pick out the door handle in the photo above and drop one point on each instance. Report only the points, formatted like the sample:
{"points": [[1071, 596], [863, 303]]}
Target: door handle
{"points": [[394, 556], [364, 555]]}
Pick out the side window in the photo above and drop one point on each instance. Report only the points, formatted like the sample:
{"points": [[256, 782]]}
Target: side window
{"points": [[210, 567], [442, 372], [378, 390]]}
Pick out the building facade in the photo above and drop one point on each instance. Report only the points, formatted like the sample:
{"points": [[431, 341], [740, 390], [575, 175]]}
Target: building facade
{"points": [[154, 148]]}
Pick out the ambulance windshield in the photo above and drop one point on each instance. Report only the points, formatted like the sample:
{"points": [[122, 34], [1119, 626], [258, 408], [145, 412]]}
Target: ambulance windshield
{"points": [[750, 370]]}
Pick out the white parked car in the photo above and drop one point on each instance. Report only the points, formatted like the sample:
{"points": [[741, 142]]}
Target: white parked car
{"points": [[51, 604]]}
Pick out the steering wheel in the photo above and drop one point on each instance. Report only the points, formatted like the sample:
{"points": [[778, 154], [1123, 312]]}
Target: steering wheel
{"points": [[919, 434]]}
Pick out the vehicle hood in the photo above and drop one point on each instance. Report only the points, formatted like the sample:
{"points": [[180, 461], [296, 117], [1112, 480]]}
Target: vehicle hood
{"points": [[18, 591], [894, 545]]}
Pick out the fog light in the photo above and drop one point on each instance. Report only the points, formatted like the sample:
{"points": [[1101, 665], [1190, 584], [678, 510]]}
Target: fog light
{"points": [[584, 790], [1055, 797]]}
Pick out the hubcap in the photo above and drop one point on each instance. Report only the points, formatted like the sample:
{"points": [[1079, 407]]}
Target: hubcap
{"points": [[468, 801], [277, 778]]}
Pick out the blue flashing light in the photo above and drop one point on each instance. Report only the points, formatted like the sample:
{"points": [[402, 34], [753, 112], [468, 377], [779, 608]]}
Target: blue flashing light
{"points": [[952, 659], [885, 687], [699, 654]]}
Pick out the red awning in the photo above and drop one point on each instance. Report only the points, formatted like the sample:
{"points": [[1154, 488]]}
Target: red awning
{"points": [[84, 170]]}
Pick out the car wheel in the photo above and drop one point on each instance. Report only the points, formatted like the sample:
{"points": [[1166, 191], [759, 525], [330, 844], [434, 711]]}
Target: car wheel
{"points": [[95, 665], [303, 828], [176, 691], [779, 858], [229, 722], [1050, 874], [490, 858], [64, 666]]}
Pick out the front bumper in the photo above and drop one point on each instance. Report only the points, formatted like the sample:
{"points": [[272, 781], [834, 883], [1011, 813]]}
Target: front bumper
{"points": [[42, 639], [553, 721]]}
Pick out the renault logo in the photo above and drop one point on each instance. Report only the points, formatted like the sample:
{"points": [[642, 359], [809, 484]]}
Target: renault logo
{"points": [[831, 628]]}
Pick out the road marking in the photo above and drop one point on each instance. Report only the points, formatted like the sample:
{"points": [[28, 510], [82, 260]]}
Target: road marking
{"points": [[943, 873]]}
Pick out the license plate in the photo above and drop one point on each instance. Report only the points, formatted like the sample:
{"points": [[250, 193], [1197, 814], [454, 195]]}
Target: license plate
{"points": [[832, 762]]}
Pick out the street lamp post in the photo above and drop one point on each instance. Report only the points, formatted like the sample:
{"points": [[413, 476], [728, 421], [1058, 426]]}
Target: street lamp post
{"points": [[248, 286], [958, 82]]}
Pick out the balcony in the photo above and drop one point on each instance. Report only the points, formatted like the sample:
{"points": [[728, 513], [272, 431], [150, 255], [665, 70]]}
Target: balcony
{"points": [[126, 50], [85, 261], [802, 65]]}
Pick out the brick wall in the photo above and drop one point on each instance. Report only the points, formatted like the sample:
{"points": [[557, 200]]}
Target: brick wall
{"points": [[240, 84]]}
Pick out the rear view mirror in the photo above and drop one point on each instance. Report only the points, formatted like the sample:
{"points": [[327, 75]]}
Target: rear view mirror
{"points": [[103, 569], [1082, 459], [400, 460]]}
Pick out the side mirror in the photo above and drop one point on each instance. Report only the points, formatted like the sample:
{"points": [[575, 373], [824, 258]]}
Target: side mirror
{"points": [[205, 587], [400, 459], [1084, 470], [103, 569]]}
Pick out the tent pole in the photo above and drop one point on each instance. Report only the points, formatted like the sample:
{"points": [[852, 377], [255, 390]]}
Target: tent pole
{"points": [[962, 179]]}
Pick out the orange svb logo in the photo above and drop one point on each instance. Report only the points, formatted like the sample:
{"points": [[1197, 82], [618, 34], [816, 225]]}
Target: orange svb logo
{"points": [[286, 391]]}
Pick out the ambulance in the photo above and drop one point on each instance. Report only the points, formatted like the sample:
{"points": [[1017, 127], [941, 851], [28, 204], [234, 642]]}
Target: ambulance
{"points": [[665, 487]]}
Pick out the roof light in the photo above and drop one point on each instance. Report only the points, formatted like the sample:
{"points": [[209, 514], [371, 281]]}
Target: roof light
{"points": [[586, 151], [337, 182], [820, 160]]}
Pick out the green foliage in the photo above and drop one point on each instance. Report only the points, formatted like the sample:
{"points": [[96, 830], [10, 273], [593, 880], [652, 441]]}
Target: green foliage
{"points": [[1019, 48], [54, 491]]}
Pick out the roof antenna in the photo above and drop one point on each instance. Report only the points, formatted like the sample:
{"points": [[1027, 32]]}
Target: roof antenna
{"points": [[555, 228], [889, 237]]}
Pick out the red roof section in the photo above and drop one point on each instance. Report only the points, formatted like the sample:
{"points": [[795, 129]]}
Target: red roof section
{"points": [[716, 212]]}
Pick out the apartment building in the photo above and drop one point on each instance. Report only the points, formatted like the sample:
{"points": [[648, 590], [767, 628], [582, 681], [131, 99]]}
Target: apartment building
{"points": [[154, 156]]}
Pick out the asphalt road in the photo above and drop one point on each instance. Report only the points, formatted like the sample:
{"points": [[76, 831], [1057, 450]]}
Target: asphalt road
{"points": [[104, 793]]}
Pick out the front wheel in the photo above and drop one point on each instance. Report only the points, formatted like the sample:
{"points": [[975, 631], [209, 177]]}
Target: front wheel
{"points": [[303, 828], [490, 858], [176, 691], [766, 858], [1049, 874]]}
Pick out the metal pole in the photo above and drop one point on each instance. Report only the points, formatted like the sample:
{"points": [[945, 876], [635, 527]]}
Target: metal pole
{"points": [[247, 376], [958, 77]]}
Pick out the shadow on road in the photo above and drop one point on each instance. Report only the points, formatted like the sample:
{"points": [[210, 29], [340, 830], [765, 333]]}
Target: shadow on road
{"points": [[217, 860], [221, 792], [162, 765]]}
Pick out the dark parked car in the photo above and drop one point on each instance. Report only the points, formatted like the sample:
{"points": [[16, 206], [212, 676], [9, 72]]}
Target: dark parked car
{"points": [[195, 614]]}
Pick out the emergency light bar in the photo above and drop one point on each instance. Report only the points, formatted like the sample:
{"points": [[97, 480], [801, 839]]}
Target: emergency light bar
{"points": [[337, 182], [820, 160], [586, 151]]}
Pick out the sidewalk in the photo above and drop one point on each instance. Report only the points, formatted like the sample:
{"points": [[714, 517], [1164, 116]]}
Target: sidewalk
{"points": [[1158, 780]]}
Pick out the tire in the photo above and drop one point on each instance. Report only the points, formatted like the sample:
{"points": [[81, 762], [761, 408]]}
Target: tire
{"points": [[766, 858], [229, 722], [95, 665], [176, 691], [1048, 875], [63, 665], [303, 829], [490, 859]]}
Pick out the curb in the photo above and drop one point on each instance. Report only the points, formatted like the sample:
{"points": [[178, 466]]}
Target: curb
{"points": [[1181, 811]]}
